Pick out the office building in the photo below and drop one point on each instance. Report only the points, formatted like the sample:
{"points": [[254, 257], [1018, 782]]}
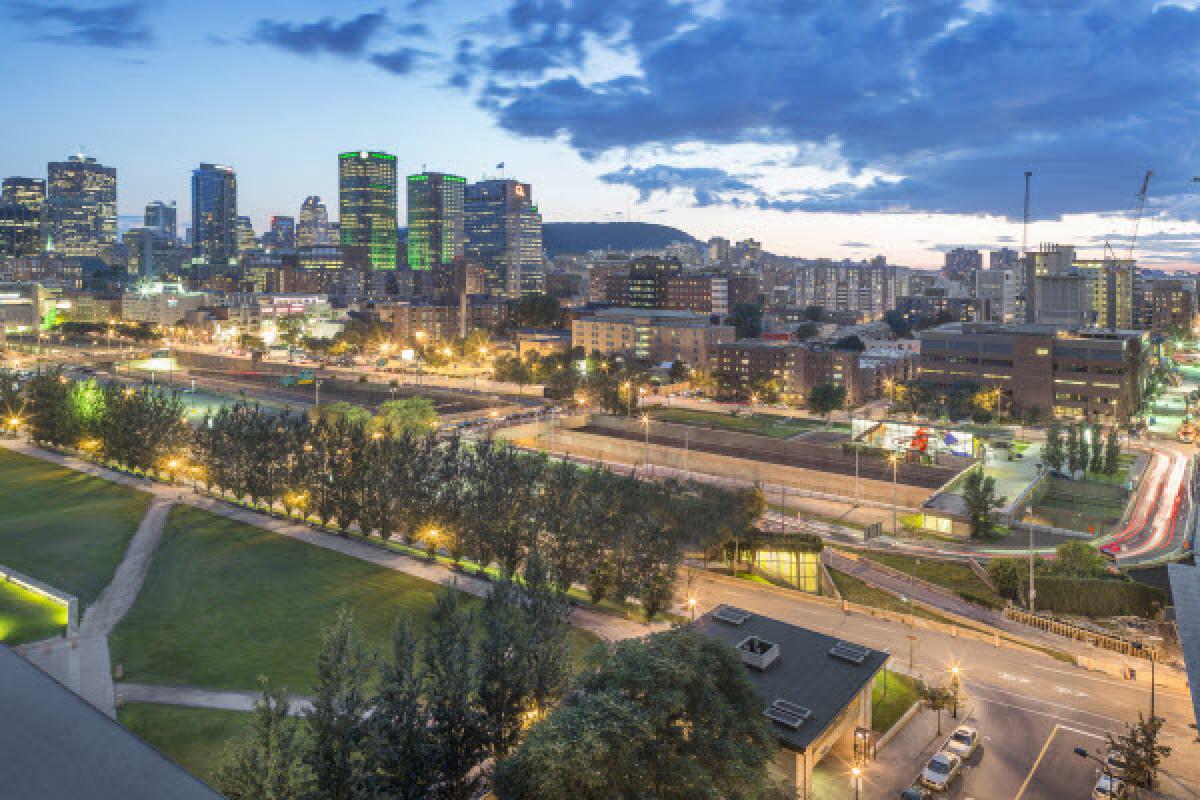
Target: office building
{"points": [[660, 337], [1092, 373], [312, 226], [435, 220], [867, 289], [795, 366], [282, 234], [997, 291], [503, 233], [1062, 289], [961, 262], [22, 207], [1173, 306], [247, 242], [367, 209], [214, 216], [160, 303], [162, 217], [642, 284], [1004, 258], [152, 254], [427, 321], [702, 294], [81, 207]]}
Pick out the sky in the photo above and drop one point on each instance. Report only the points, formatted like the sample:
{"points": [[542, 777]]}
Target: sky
{"points": [[839, 128]]}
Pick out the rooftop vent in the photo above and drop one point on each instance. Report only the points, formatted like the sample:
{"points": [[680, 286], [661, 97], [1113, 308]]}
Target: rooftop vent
{"points": [[850, 652], [758, 653], [730, 615], [787, 714]]}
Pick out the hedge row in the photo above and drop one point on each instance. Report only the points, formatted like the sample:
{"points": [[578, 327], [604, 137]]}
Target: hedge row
{"points": [[1098, 598]]}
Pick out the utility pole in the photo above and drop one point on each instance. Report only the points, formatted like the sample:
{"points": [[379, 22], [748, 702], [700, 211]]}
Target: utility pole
{"points": [[1025, 226], [1032, 590], [317, 386]]}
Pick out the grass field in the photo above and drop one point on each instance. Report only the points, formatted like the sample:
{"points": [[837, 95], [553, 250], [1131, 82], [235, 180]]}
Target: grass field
{"points": [[891, 696], [194, 738], [856, 591], [63, 528], [28, 617], [957, 577], [773, 425], [226, 602]]}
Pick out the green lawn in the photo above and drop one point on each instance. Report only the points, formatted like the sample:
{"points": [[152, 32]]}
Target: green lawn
{"points": [[856, 591], [194, 738], [26, 616], [63, 528], [952, 575], [773, 425], [891, 696], [226, 602]]}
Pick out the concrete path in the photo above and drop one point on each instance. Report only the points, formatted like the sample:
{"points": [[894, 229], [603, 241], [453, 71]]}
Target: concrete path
{"points": [[224, 700]]}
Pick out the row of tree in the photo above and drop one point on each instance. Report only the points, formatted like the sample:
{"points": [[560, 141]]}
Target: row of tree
{"points": [[1086, 449]]}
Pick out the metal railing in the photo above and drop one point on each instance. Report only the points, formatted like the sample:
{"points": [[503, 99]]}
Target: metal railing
{"points": [[1117, 644]]}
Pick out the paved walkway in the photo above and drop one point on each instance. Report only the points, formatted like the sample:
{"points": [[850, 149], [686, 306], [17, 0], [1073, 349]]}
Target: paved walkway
{"points": [[225, 700]]}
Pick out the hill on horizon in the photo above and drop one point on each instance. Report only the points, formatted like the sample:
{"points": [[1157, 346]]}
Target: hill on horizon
{"points": [[580, 237]]}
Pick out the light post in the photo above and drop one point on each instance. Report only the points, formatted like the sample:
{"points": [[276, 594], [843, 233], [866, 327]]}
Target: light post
{"points": [[691, 601], [954, 686], [912, 639], [317, 397], [628, 387], [646, 444], [895, 459], [1032, 589], [1082, 753], [856, 774]]}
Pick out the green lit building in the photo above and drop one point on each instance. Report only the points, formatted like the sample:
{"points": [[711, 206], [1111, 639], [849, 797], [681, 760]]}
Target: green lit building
{"points": [[435, 220], [367, 208]]}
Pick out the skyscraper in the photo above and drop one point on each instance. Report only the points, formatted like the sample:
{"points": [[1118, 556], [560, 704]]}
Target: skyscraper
{"points": [[162, 217], [367, 208], [282, 235], [504, 234], [435, 220], [312, 227], [214, 215], [22, 205], [246, 241], [81, 207]]}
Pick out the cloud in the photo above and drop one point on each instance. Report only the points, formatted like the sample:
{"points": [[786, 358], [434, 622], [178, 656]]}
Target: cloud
{"points": [[857, 245], [706, 185], [120, 26], [401, 61], [347, 39], [952, 100]]}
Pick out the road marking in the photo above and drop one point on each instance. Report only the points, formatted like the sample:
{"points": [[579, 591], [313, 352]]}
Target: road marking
{"points": [[1016, 707], [1118, 720], [1008, 676], [1041, 755], [1072, 692]]}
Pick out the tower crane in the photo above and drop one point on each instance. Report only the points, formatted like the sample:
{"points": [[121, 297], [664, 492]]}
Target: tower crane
{"points": [[1137, 215]]}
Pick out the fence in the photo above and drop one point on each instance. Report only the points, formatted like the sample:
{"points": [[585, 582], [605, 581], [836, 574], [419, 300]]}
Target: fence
{"points": [[47, 591], [1117, 644]]}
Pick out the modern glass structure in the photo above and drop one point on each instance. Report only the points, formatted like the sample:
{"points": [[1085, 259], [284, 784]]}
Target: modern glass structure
{"points": [[22, 205], [312, 226], [504, 234], [367, 208], [81, 207], [162, 217], [214, 215], [283, 233], [435, 220]]}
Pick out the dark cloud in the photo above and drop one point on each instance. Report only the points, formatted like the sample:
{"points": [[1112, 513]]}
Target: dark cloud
{"points": [[414, 29], [958, 103], [856, 245], [708, 185], [401, 61], [326, 35], [120, 26]]}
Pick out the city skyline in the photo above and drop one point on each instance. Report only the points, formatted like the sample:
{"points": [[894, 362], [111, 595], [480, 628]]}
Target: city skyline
{"points": [[831, 186]]}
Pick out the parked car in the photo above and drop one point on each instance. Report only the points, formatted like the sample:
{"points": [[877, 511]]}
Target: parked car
{"points": [[916, 792], [1106, 788], [941, 771], [963, 742]]}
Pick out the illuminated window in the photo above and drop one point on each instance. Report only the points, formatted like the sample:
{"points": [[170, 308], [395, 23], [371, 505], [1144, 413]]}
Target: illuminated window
{"points": [[1043, 351]]}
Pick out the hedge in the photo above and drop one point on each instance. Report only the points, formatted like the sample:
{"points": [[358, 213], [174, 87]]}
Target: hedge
{"points": [[1098, 597]]}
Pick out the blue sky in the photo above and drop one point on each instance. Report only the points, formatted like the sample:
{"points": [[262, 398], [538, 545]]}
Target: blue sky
{"points": [[822, 127]]}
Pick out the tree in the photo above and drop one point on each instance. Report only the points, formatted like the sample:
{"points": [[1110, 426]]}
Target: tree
{"points": [[1079, 559], [851, 342], [1097, 460], [504, 686], [341, 411], [537, 311], [767, 390], [899, 324], [1112, 452], [268, 764], [979, 492], [746, 318], [1084, 449], [452, 689], [658, 593], [1139, 752], [337, 720], [1053, 454], [679, 372], [672, 716], [1005, 574], [399, 749], [1074, 451], [414, 415], [936, 698], [813, 313], [825, 398]]}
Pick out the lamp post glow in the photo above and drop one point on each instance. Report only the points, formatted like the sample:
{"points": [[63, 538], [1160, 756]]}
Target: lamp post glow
{"points": [[691, 601], [646, 445], [856, 774], [895, 459]]}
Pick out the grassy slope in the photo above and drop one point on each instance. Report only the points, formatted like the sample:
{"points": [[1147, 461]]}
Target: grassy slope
{"points": [[775, 426], [226, 602], [886, 709], [948, 574], [28, 617], [194, 738], [63, 528]]}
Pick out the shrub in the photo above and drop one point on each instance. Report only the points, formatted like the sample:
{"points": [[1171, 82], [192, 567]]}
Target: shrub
{"points": [[1097, 597]]}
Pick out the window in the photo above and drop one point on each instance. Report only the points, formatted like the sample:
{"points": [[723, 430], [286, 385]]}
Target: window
{"points": [[1043, 351]]}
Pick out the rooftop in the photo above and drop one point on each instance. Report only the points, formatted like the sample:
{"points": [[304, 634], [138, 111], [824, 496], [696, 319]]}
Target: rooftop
{"points": [[1185, 588], [56, 745], [807, 682]]}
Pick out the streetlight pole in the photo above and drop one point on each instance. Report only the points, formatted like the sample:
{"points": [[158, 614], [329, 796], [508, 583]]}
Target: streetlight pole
{"points": [[317, 397], [895, 459], [1032, 589]]}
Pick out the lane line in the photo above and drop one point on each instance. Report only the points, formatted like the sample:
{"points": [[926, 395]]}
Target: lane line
{"points": [[1033, 769], [1035, 711]]}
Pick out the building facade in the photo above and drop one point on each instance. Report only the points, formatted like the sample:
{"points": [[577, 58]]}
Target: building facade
{"points": [[435, 220], [503, 233], [312, 226], [162, 217], [649, 334], [81, 207], [367, 208], [214, 216], [22, 211]]}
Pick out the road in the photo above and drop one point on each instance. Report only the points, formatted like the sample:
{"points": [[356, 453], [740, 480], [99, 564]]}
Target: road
{"points": [[1156, 528]]}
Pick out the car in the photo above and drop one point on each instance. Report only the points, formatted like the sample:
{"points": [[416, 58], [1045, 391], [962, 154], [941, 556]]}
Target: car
{"points": [[1107, 788], [941, 771], [916, 792], [963, 742]]}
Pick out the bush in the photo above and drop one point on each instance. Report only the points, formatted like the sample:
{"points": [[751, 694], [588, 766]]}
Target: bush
{"points": [[1006, 575], [1097, 597]]}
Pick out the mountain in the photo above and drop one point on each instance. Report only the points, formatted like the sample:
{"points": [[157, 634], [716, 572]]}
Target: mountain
{"points": [[580, 237]]}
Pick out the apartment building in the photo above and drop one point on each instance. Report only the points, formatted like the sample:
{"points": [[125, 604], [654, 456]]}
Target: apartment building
{"points": [[653, 335]]}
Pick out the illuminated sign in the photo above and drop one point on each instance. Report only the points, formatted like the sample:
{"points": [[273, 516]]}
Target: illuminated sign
{"points": [[520, 190]]}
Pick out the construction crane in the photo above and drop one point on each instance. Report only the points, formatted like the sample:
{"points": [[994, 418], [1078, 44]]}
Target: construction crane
{"points": [[1025, 225], [1137, 215]]}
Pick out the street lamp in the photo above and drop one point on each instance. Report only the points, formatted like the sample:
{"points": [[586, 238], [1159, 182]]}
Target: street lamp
{"points": [[646, 445], [954, 685], [895, 459], [856, 774]]}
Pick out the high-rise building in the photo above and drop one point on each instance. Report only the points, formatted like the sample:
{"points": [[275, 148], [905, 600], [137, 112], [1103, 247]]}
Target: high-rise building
{"points": [[367, 208], [246, 240], [81, 207], [214, 215], [282, 235], [312, 226], [1004, 258], [961, 262], [435, 220], [503, 231], [162, 217], [22, 205]]}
